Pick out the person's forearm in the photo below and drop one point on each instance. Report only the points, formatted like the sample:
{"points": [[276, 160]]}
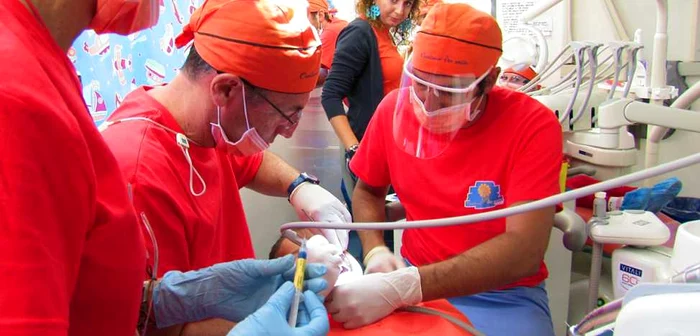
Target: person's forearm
{"points": [[322, 74], [491, 265], [342, 129], [213, 327], [151, 329], [175, 330], [368, 206], [274, 176]]}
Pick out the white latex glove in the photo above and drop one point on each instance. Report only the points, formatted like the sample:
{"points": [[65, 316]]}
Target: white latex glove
{"points": [[374, 296], [381, 260], [350, 269], [320, 251], [314, 203]]}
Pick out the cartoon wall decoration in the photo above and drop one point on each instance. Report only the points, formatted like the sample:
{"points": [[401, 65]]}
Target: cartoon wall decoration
{"points": [[110, 66]]}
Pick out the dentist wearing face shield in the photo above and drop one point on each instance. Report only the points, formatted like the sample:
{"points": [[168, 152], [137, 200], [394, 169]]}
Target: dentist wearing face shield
{"points": [[453, 144], [72, 256]]}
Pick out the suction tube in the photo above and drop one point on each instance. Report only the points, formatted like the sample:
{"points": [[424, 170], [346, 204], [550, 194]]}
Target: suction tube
{"points": [[486, 216]]}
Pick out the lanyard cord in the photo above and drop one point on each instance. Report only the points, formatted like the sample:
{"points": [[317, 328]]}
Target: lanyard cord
{"points": [[181, 140]]}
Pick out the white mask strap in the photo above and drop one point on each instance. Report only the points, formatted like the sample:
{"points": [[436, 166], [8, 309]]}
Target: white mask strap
{"points": [[185, 145], [473, 116], [245, 108]]}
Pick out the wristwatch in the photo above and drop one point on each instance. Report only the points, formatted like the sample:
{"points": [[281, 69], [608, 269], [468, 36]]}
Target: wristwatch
{"points": [[303, 177], [350, 152]]}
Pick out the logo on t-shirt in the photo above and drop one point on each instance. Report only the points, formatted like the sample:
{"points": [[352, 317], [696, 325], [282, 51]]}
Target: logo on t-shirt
{"points": [[484, 195]]}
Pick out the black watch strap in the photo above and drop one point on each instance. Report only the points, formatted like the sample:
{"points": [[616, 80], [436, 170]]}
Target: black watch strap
{"points": [[303, 177]]}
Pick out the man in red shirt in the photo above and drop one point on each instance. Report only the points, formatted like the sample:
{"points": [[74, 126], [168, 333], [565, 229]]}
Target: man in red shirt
{"points": [[329, 36], [71, 251], [452, 144], [186, 148], [320, 17], [72, 256]]}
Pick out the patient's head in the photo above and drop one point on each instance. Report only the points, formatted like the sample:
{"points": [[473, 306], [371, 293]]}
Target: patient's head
{"points": [[342, 266]]}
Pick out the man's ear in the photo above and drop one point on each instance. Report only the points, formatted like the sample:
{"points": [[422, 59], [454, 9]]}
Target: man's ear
{"points": [[490, 80], [224, 86]]}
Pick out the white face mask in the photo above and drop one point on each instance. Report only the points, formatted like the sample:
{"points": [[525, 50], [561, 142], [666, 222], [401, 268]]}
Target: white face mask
{"points": [[447, 119], [250, 143]]}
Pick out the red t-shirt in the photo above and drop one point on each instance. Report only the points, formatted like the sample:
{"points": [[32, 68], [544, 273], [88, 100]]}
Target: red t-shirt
{"points": [[72, 257], [391, 60], [329, 36], [514, 149], [192, 232]]}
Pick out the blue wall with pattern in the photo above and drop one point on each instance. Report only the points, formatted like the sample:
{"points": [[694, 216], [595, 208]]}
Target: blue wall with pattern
{"points": [[111, 66]]}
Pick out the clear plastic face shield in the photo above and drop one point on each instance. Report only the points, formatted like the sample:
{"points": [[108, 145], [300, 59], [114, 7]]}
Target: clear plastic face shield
{"points": [[432, 108]]}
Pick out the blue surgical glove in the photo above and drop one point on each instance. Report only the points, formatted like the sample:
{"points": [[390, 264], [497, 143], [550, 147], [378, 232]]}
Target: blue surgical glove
{"points": [[271, 319], [231, 290]]}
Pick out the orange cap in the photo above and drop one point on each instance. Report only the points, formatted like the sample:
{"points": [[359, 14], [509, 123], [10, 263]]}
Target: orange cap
{"points": [[427, 5], [524, 70], [271, 45], [456, 39], [318, 6]]}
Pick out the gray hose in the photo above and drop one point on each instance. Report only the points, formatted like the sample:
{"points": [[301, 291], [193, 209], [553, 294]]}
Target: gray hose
{"points": [[594, 279], [633, 53], [501, 213], [456, 321], [543, 74], [593, 63]]}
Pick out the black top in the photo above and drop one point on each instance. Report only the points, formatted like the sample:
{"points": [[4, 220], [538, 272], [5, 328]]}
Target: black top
{"points": [[356, 73]]}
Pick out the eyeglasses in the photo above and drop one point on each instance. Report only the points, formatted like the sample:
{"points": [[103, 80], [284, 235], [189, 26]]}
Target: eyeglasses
{"points": [[294, 115], [514, 78]]}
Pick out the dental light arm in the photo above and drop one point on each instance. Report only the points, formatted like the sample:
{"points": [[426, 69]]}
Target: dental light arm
{"points": [[622, 112]]}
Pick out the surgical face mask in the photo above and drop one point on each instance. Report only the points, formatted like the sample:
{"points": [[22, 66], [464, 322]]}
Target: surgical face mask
{"points": [[447, 119], [124, 16], [250, 143], [444, 120]]}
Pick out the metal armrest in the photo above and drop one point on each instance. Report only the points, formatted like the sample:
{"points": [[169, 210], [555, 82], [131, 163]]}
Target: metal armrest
{"points": [[573, 227], [585, 170]]}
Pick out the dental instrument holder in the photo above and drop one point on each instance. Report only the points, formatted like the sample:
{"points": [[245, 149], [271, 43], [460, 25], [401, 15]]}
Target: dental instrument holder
{"points": [[632, 58], [647, 92], [579, 49], [631, 227], [619, 112], [592, 51]]}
